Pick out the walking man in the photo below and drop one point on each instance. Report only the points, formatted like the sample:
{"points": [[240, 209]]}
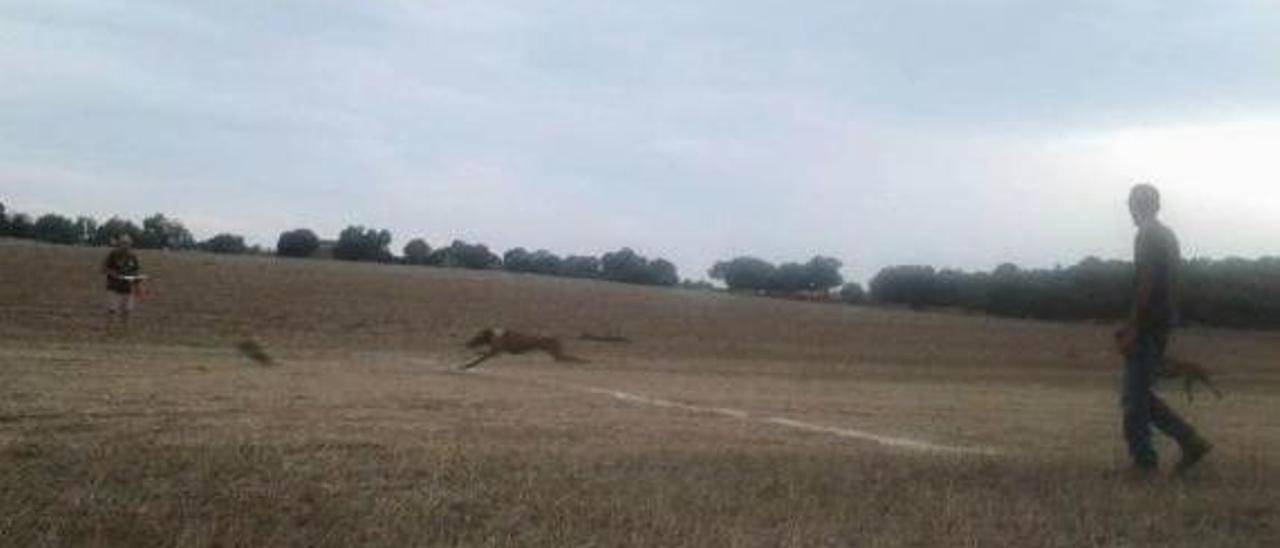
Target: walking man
{"points": [[123, 273], [1143, 338]]}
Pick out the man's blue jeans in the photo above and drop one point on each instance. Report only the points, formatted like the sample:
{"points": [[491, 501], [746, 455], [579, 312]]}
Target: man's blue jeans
{"points": [[1142, 408]]}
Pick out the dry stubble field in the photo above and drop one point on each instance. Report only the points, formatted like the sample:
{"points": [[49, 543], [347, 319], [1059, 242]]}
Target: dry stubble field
{"points": [[363, 434]]}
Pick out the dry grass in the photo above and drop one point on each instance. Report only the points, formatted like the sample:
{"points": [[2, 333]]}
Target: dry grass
{"points": [[362, 435], [329, 494]]}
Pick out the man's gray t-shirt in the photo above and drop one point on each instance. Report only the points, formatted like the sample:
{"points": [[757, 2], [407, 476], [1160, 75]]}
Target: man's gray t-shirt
{"points": [[1156, 251]]}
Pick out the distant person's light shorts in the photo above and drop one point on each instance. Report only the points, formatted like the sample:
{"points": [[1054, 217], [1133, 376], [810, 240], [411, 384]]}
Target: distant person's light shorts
{"points": [[120, 302]]}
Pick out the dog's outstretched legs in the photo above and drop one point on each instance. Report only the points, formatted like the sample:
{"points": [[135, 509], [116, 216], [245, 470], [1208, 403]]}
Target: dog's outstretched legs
{"points": [[478, 360], [556, 350]]}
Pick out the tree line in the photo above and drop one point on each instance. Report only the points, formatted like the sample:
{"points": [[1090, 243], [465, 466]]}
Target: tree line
{"points": [[354, 243], [155, 232], [1232, 292], [817, 279], [358, 243]]}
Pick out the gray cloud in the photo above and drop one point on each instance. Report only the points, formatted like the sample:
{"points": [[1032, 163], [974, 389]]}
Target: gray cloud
{"points": [[963, 133]]}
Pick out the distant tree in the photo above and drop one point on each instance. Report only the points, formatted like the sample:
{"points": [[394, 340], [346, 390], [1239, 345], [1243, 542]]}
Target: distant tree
{"points": [[789, 278], [852, 293], [663, 272], [1091, 289], [357, 243], [1010, 292], [580, 266], [1104, 285], [300, 242], [823, 274], [115, 227], [86, 229], [230, 244], [417, 252], [21, 226], [910, 284], [4, 221], [544, 262], [517, 260], [461, 254], [160, 232], [474, 256], [819, 274], [625, 265], [56, 229], [539, 262], [745, 273], [1231, 292]]}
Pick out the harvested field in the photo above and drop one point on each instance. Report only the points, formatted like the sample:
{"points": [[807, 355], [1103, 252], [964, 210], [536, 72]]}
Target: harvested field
{"points": [[718, 424]]}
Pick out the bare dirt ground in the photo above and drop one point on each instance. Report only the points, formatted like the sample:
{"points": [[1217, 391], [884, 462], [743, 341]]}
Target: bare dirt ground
{"points": [[727, 421]]}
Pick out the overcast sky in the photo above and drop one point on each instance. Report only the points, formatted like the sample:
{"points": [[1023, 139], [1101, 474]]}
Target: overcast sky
{"points": [[945, 132]]}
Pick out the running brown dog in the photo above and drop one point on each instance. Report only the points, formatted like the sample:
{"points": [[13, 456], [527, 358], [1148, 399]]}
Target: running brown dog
{"points": [[502, 341]]}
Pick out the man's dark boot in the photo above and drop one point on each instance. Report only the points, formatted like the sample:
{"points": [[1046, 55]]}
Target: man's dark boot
{"points": [[1192, 453]]}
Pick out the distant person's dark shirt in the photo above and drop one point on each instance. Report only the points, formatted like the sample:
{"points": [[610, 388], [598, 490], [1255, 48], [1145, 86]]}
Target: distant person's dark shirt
{"points": [[119, 263], [1156, 249]]}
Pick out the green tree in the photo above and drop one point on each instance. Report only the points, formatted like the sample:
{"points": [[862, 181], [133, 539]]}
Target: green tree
{"points": [[517, 260], [545, 262], [461, 254], [301, 242], [908, 284], [663, 272], [21, 226], [580, 266], [357, 243], [823, 274], [160, 232], [115, 227], [56, 229], [417, 252], [229, 244], [625, 265], [745, 273], [852, 293], [789, 278]]}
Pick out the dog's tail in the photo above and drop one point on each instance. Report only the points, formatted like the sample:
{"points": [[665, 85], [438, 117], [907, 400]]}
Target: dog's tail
{"points": [[595, 337]]}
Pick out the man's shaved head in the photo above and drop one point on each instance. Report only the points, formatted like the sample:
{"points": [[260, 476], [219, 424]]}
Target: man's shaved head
{"points": [[1144, 202]]}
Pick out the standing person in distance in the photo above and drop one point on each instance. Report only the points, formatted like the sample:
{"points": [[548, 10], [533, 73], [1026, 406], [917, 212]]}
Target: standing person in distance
{"points": [[123, 272]]}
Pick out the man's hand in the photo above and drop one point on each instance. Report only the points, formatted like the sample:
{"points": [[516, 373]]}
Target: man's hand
{"points": [[1126, 339]]}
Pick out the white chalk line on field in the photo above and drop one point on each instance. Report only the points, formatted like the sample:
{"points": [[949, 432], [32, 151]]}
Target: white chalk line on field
{"points": [[845, 433]]}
